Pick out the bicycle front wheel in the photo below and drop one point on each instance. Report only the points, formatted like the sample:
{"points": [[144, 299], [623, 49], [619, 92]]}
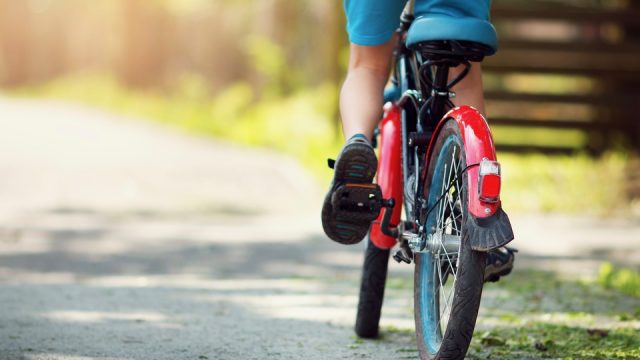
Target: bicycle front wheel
{"points": [[448, 273]]}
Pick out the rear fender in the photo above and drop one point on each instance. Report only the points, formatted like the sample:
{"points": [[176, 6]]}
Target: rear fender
{"points": [[489, 226]]}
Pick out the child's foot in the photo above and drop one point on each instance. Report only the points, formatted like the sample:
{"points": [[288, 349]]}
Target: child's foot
{"points": [[356, 164], [499, 263]]}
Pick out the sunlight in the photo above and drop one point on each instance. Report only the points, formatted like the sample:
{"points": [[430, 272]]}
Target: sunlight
{"points": [[102, 316]]}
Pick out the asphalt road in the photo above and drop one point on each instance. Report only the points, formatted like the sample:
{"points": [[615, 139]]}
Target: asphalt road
{"points": [[121, 239]]}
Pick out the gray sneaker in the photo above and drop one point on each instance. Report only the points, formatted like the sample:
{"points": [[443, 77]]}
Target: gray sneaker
{"points": [[356, 164], [499, 263]]}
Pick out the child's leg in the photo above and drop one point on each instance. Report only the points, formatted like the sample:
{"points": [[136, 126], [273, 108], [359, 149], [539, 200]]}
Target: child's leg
{"points": [[469, 91], [361, 109], [361, 95]]}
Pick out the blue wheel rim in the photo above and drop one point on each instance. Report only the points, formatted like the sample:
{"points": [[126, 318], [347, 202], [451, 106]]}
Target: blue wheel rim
{"points": [[428, 278]]}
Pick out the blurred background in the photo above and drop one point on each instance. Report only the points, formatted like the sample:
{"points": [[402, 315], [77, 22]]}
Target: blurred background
{"points": [[177, 125], [563, 83]]}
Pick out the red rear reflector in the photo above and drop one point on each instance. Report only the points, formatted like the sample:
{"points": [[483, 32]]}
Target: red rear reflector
{"points": [[489, 181]]}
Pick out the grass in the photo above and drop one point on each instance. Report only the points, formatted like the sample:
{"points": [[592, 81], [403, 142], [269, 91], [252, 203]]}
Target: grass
{"points": [[302, 124], [541, 340], [535, 314], [540, 314], [624, 280]]}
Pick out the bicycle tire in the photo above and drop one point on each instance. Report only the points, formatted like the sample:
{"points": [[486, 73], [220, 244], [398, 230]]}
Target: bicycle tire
{"points": [[442, 335], [374, 277]]}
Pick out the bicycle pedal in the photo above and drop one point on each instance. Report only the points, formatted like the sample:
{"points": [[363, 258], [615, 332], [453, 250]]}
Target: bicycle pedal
{"points": [[400, 257], [403, 254], [359, 202]]}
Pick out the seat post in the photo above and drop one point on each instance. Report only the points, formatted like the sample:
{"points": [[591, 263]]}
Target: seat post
{"points": [[440, 91]]}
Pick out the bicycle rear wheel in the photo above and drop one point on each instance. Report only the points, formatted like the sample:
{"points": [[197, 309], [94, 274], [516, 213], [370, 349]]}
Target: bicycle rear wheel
{"points": [[448, 275], [374, 277]]}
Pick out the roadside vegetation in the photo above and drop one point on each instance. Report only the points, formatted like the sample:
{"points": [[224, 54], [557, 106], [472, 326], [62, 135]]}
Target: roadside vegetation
{"points": [[540, 314], [624, 280], [535, 314], [303, 125]]}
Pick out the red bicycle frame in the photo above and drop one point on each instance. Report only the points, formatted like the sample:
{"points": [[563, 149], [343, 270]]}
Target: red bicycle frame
{"points": [[389, 176]]}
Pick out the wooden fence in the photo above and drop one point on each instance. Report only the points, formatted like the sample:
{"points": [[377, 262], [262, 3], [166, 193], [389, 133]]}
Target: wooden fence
{"points": [[567, 73]]}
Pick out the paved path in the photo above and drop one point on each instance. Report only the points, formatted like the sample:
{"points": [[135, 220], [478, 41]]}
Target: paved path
{"points": [[120, 239]]}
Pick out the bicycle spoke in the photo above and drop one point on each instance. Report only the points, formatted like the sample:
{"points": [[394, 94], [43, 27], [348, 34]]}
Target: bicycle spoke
{"points": [[448, 222], [453, 223], [441, 208], [436, 303], [448, 302], [455, 274]]}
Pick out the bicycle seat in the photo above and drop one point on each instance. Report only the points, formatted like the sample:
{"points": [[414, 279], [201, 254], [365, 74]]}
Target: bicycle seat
{"points": [[439, 28]]}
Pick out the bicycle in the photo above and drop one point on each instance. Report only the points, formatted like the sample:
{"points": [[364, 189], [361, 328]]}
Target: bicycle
{"points": [[438, 162]]}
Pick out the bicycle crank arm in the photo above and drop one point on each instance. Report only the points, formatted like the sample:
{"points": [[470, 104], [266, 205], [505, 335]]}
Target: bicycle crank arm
{"points": [[385, 226], [403, 253]]}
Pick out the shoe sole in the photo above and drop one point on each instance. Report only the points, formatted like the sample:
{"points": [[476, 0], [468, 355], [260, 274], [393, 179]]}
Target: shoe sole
{"points": [[357, 164], [506, 270]]}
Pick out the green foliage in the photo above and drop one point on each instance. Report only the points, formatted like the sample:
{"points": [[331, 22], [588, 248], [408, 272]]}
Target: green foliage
{"points": [[270, 61], [302, 123], [624, 280], [510, 135], [574, 184]]}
